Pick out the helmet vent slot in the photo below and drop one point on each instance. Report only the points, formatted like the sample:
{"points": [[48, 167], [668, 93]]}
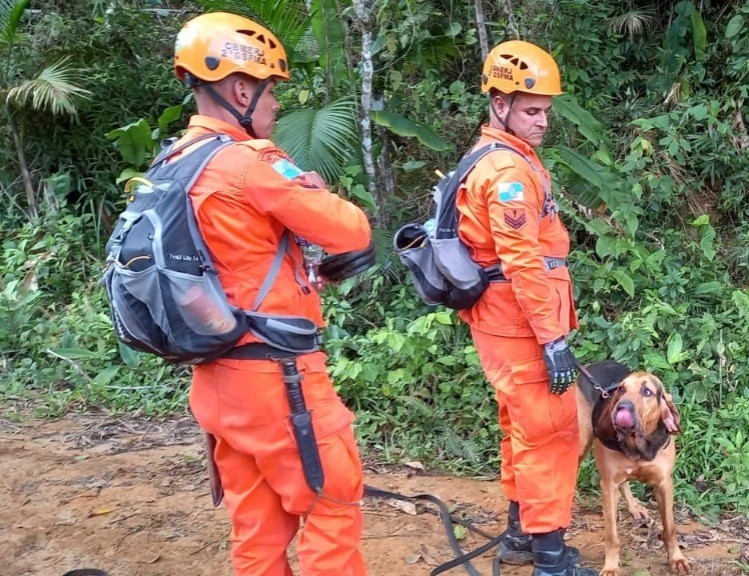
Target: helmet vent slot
{"points": [[515, 61]]}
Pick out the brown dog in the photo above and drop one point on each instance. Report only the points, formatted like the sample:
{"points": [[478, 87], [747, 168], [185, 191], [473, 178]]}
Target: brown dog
{"points": [[631, 436]]}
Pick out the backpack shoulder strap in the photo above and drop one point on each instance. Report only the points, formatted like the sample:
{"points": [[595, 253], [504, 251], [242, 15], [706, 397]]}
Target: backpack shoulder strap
{"points": [[166, 146], [192, 165], [270, 277], [447, 211], [498, 146], [202, 156], [170, 150], [469, 161]]}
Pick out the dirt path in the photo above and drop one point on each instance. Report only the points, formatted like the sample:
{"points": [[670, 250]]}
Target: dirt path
{"points": [[130, 496]]}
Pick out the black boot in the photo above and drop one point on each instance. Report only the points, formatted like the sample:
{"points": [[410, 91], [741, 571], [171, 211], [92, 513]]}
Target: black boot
{"points": [[552, 558], [515, 548]]}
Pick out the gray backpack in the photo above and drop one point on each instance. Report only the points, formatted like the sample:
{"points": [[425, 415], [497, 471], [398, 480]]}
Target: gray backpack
{"points": [[164, 293], [439, 264]]}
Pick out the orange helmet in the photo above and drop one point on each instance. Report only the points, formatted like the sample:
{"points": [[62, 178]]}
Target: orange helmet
{"points": [[212, 46], [518, 66]]}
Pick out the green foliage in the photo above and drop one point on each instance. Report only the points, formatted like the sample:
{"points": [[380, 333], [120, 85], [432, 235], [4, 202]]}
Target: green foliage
{"points": [[11, 12], [404, 127], [139, 142], [56, 336], [713, 460], [647, 151], [287, 19], [418, 391], [54, 90], [321, 139]]}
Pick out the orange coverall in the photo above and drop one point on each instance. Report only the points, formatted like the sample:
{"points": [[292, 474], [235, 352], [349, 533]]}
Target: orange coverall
{"points": [[244, 200], [507, 213]]}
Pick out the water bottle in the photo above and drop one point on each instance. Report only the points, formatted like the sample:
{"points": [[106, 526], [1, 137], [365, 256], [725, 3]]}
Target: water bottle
{"points": [[204, 314]]}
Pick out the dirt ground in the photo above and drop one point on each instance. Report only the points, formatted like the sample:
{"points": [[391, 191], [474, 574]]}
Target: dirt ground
{"points": [[130, 496]]}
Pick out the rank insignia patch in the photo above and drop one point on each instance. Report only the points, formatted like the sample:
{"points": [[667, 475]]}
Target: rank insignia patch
{"points": [[515, 219]]}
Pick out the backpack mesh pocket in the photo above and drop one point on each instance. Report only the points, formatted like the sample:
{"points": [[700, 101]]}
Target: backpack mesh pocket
{"points": [[172, 314], [411, 243]]}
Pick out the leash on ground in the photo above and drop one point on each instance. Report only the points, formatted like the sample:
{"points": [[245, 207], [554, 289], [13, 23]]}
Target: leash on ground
{"points": [[461, 558]]}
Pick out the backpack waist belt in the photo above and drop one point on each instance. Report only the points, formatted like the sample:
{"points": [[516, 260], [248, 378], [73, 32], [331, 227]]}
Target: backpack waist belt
{"points": [[495, 273], [258, 351]]}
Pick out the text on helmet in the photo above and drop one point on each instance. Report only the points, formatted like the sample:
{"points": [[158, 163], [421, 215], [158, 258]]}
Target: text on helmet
{"points": [[501, 72], [243, 52]]}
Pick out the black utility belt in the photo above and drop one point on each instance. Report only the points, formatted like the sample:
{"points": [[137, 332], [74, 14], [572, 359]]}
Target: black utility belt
{"points": [[258, 351], [495, 273]]}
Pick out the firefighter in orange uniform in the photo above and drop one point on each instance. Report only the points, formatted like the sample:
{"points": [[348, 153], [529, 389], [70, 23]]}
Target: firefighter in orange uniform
{"points": [[249, 194], [519, 326]]}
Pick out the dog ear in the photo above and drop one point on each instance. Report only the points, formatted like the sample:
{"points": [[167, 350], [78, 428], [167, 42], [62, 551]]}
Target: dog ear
{"points": [[669, 414]]}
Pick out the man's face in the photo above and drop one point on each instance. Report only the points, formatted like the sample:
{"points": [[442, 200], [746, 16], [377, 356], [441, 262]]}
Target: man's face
{"points": [[528, 116], [264, 116]]}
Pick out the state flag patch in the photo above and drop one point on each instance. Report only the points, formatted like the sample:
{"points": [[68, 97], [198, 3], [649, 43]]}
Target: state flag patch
{"points": [[515, 219], [286, 168], [510, 191]]}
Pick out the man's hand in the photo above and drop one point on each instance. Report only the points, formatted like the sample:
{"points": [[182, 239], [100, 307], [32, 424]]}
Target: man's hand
{"points": [[560, 365]]}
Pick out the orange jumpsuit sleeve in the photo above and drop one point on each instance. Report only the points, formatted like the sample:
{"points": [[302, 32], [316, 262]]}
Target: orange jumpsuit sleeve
{"points": [[514, 202], [321, 217]]}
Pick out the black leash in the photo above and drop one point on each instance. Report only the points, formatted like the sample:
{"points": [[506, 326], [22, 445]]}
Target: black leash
{"points": [[605, 391], [461, 558]]}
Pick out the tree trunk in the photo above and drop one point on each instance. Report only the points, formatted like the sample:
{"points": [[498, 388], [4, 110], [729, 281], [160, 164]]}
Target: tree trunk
{"points": [[364, 16], [511, 23], [25, 175], [385, 173], [481, 25]]}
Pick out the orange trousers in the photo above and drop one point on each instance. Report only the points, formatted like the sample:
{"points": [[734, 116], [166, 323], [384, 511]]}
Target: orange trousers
{"points": [[540, 445], [243, 404]]}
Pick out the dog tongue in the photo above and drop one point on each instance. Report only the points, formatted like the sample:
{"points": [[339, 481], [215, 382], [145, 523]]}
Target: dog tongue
{"points": [[624, 419]]}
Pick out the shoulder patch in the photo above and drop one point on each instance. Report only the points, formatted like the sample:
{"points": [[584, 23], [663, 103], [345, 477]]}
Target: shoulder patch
{"points": [[281, 163], [271, 156], [515, 219], [510, 191]]}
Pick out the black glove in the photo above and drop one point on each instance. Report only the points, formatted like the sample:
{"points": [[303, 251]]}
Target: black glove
{"points": [[560, 365], [337, 267]]}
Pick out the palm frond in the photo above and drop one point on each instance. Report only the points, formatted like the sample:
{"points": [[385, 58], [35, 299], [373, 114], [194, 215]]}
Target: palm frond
{"points": [[10, 16], [633, 22], [287, 19], [55, 90], [322, 140]]}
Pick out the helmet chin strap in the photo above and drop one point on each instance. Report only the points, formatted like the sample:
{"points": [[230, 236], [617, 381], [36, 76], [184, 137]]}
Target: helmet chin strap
{"points": [[245, 120], [505, 124]]}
